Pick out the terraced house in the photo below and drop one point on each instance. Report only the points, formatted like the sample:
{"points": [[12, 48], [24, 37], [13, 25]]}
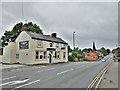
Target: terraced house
{"points": [[32, 48]]}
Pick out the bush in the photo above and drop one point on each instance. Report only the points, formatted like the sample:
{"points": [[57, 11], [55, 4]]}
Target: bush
{"points": [[71, 58], [84, 59]]}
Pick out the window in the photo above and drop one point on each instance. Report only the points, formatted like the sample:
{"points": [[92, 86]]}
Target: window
{"points": [[39, 43], [57, 45], [37, 55], [55, 54], [64, 45], [44, 54], [64, 54], [51, 44], [58, 54], [24, 45], [17, 56], [41, 54]]}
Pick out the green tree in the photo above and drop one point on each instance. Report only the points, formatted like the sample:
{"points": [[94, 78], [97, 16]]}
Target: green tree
{"points": [[108, 51], [13, 34], [103, 50]]}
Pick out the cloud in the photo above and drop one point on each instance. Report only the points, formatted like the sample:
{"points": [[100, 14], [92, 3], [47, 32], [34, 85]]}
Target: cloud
{"points": [[92, 21]]}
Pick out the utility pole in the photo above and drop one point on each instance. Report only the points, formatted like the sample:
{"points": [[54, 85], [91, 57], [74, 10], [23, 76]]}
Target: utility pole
{"points": [[73, 41]]}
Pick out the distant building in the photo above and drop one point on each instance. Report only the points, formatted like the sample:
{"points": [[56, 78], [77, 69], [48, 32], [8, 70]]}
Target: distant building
{"points": [[32, 48], [91, 56]]}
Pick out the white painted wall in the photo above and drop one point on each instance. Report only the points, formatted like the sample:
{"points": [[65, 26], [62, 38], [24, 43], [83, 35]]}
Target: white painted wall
{"points": [[9, 53]]}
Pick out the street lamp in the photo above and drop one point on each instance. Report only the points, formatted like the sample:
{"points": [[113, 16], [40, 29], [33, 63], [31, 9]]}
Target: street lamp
{"points": [[73, 41]]}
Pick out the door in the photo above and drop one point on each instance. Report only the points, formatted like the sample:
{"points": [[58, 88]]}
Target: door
{"points": [[50, 56]]}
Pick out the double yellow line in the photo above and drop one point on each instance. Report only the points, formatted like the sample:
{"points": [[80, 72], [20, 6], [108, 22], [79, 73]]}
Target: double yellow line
{"points": [[95, 83]]}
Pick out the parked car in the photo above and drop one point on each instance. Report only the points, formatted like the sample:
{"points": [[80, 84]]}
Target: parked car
{"points": [[103, 60]]}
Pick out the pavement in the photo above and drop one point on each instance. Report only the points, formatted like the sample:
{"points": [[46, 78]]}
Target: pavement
{"points": [[110, 79]]}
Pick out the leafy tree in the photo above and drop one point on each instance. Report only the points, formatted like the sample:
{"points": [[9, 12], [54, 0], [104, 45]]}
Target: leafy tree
{"points": [[108, 51], [13, 34], [103, 50]]}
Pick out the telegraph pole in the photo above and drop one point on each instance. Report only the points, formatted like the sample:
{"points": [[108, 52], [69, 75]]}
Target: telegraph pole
{"points": [[73, 41]]}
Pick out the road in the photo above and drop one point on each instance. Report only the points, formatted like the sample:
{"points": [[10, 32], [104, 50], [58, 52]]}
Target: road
{"points": [[64, 75]]}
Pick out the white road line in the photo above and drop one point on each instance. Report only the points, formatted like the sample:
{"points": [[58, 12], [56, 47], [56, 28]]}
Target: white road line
{"points": [[8, 78], [40, 71], [65, 71], [14, 82], [27, 84], [5, 83], [19, 81], [49, 69]]}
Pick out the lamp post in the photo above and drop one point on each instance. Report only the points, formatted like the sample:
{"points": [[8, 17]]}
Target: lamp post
{"points": [[73, 41]]}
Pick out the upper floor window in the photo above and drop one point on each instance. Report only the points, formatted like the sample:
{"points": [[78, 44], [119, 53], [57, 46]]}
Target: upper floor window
{"points": [[57, 45], [64, 45], [24, 45], [51, 44], [39, 43]]}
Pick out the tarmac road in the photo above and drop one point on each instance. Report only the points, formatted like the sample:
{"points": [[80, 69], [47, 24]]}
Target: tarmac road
{"points": [[64, 75]]}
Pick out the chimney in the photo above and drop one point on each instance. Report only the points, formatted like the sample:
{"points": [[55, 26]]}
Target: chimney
{"points": [[54, 35]]}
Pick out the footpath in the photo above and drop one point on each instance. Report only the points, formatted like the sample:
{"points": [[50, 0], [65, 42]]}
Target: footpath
{"points": [[110, 79]]}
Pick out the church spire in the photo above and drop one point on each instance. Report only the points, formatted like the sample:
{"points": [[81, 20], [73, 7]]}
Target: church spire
{"points": [[94, 48]]}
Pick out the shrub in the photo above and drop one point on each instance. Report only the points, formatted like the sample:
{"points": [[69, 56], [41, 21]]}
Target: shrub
{"points": [[84, 59], [71, 58]]}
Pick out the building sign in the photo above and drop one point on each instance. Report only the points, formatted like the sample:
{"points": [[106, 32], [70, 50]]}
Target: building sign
{"points": [[24, 45]]}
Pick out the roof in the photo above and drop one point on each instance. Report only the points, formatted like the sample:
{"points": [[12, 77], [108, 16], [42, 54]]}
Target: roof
{"points": [[45, 37]]}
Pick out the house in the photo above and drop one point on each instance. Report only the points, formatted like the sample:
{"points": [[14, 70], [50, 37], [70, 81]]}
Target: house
{"points": [[91, 56], [33, 48]]}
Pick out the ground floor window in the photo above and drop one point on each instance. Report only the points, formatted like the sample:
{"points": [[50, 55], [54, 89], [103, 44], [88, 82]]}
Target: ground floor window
{"points": [[64, 54], [37, 55], [57, 54], [40, 54]]}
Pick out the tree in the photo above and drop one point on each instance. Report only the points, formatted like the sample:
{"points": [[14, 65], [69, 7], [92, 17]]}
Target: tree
{"points": [[13, 34], [108, 51], [103, 50]]}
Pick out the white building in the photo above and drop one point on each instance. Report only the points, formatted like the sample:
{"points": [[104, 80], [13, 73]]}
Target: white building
{"points": [[32, 48]]}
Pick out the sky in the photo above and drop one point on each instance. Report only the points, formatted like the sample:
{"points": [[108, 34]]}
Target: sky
{"points": [[91, 21]]}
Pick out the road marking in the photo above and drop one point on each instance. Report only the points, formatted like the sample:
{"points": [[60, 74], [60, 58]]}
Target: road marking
{"points": [[19, 81], [49, 69], [27, 84], [5, 83], [14, 82], [65, 71], [40, 71], [8, 78]]}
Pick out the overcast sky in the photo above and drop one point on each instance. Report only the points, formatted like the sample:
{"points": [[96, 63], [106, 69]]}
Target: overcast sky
{"points": [[91, 21]]}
